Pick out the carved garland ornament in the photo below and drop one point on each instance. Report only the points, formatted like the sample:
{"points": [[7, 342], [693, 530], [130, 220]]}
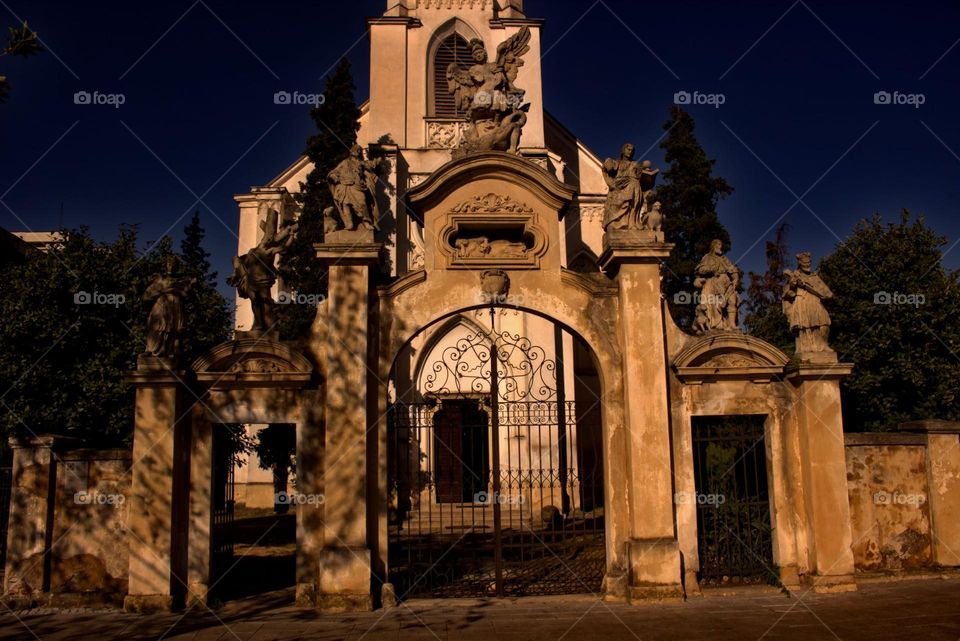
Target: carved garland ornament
{"points": [[256, 366], [492, 204]]}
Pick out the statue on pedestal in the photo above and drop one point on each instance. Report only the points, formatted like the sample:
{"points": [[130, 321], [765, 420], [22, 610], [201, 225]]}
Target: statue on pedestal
{"points": [[630, 196], [717, 279], [254, 273], [803, 297], [485, 91], [165, 322], [353, 184]]}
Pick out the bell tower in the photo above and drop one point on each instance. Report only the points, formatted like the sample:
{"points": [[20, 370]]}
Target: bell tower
{"points": [[411, 47]]}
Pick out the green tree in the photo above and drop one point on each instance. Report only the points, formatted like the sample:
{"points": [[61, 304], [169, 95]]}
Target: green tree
{"points": [[764, 309], [337, 121], [73, 325], [22, 41], [689, 195], [207, 311], [276, 447], [896, 317]]}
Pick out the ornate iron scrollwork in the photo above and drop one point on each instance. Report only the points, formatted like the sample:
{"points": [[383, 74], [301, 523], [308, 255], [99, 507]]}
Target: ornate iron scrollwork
{"points": [[524, 373]]}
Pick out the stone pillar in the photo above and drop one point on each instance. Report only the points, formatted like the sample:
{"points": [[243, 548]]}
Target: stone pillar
{"points": [[159, 499], [30, 529], [823, 471], [201, 512], [654, 554], [943, 483], [346, 578]]}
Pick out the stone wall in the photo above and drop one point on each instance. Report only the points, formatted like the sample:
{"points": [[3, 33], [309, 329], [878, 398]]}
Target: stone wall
{"points": [[889, 506], [89, 554], [67, 541], [904, 490]]}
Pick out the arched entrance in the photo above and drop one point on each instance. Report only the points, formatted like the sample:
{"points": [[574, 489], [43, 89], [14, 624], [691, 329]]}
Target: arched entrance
{"points": [[495, 470]]}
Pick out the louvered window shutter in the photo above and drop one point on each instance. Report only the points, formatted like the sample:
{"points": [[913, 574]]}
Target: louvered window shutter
{"points": [[452, 49]]}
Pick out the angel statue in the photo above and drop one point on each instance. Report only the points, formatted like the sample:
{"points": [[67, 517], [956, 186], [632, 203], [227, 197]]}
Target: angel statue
{"points": [[486, 93], [254, 273]]}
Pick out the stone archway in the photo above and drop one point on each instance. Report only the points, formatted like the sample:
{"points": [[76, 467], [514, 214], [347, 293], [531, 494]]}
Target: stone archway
{"points": [[490, 464]]}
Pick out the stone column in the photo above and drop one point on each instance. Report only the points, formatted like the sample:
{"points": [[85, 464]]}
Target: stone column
{"points": [[823, 471], [943, 483], [30, 529], [346, 578], [159, 499], [201, 512], [653, 552]]}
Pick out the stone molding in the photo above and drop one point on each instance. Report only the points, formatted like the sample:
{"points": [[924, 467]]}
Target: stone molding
{"points": [[729, 356], [252, 362]]}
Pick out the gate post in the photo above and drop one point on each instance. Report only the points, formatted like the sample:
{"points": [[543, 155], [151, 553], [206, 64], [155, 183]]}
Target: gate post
{"points": [[348, 346], [823, 471], [652, 554], [159, 503]]}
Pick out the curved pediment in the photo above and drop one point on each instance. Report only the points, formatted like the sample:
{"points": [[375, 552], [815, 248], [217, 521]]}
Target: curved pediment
{"points": [[730, 355], [253, 362], [495, 165]]}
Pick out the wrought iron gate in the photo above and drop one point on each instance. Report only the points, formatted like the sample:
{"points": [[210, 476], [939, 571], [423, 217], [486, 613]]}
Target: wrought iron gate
{"points": [[733, 504], [490, 497], [222, 497]]}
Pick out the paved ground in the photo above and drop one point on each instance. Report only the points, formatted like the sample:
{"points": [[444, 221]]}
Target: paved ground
{"points": [[928, 610]]}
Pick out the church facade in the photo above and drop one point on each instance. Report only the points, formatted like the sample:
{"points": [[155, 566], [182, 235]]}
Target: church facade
{"points": [[492, 282]]}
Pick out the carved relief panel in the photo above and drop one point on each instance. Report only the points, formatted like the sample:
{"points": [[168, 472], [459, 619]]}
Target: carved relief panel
{"points": [[492, 230]]}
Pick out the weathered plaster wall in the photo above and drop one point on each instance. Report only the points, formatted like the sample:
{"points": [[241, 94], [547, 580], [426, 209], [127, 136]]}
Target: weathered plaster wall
{"points": [[889, 501], [90, 552]]}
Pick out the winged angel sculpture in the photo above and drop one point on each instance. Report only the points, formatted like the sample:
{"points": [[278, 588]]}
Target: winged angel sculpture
{"points": [[486, 93]]}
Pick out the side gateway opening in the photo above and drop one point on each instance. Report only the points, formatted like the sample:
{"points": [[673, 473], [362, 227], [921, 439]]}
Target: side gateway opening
{"points": [[734, 536]]}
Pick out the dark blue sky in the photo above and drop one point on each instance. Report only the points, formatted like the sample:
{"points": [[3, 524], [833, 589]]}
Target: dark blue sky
{"points": [[199, 121]]}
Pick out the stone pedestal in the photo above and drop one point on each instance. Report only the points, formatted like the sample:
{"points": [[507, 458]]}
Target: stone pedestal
{"points": [[346, 575], [653, 554], [943, 461], [158, 501], [823, 470]]}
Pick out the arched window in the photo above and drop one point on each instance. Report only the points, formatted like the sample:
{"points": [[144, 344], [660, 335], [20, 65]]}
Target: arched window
{"points": [[453, 48]]}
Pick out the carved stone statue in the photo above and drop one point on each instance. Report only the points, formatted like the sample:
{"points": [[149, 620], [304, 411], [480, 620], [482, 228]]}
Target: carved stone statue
{"points": [[354, 186], [486, 93], [803, 297], [630, 194], [254, 273], [717, 278], [482, 247], [165, 323], [655, 217]]}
